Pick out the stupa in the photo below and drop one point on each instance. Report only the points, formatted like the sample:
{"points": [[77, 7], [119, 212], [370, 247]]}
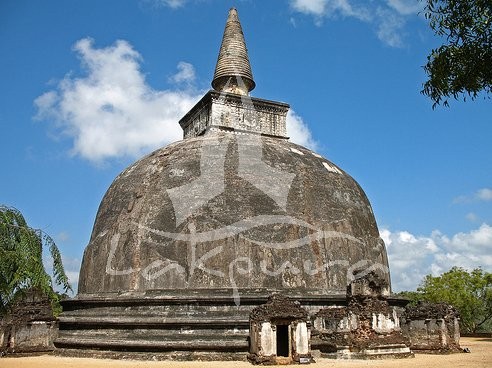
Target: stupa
{"points": [[198, 246]]}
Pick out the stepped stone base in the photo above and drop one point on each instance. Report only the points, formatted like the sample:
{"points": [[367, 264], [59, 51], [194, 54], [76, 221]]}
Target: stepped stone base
{"points": [[169, 326], [164, 325], [377, 352], [152, 355]]}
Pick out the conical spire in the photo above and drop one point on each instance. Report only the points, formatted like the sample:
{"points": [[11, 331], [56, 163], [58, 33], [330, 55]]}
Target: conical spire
{"points": [[233, 71]]}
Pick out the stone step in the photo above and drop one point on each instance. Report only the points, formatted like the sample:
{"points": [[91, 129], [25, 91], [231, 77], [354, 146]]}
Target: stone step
{"points": [[150, 322], [152, 345], [161, 313], [191, 338], [156, 334], [162, 309]]}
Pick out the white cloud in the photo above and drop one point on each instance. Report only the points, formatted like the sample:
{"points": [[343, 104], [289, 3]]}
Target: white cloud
{"points": [[406, 7], [476, 240], [112, 111], [388, 17], [471, 217], [411, 257], [299, 132], [62, 237], [484, 194], [315, 7], [321, 8], [185, 74], [389, 27], [461, 199], [481, 195], [174, 4]]}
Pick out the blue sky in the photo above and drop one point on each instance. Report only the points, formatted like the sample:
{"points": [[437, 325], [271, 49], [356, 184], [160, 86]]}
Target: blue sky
{"points": [[87, 87]]}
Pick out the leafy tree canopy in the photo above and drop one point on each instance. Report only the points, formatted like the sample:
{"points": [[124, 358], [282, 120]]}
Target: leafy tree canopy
{"points": [[469, 292], [462, 66], [21, 259]]}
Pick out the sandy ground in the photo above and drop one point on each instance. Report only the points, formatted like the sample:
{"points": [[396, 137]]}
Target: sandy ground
{"points": [[481, 356]]}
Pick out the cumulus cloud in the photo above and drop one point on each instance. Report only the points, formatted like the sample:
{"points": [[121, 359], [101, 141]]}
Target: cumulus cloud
{"points": [[62, 237], [406, 7], [387, 17], [481, 195], [412, 256], [174, 4], [185, 74], [299, 132], [111, 111], [320, 8], [484, 194], [389, 27], [316, 7]]}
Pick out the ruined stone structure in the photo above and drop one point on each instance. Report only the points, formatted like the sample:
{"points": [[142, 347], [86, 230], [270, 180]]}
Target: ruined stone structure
{"points": [[432, 328], [29, 326], [280, 332], [367, 327], [190, 242]]}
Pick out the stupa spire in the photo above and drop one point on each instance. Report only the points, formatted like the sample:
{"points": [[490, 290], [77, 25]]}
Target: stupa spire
{"points": [[233, 71]]}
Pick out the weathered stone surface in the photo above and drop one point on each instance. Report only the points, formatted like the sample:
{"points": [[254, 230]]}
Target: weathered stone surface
{"points": [[325, 232], [278, 307], [29, 326], [431, 310], [280, 332], [233, 71], [432, 328], [227, 111], [372, 284], [368, 327], [190, 241]]}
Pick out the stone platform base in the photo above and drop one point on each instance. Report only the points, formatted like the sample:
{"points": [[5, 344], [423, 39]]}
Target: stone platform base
{"points": [[378, 352], [171, 328], [167, 325], [438, 351], [151, 355], [203, 325]]}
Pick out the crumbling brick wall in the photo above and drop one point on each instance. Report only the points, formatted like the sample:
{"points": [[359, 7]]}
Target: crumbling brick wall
{"points": [[30, 326], [367, 322], [432, 327]]}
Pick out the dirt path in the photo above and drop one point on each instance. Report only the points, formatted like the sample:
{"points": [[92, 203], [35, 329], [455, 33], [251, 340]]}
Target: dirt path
{"points": [[480, 357]]}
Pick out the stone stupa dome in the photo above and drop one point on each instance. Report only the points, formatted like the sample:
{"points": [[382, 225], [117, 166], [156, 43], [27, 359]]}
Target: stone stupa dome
{"points": [[233, 206], [325, 230], [191, 241]]}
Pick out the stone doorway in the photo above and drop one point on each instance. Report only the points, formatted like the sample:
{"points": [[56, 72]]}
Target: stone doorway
{"points": [[283, 341], [280, 332]]}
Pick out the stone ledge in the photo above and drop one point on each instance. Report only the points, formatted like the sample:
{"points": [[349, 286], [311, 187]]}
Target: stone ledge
{"points": [[382, 352], [153, 356], [151, 345], [153, 322]]}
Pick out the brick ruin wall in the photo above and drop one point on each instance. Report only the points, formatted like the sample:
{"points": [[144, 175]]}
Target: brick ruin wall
{"points": [[29, 326]]}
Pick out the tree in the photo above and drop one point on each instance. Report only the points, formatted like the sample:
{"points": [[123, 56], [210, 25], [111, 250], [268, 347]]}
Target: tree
{"points": [[463, 65], [21, 261], [469, 292]]}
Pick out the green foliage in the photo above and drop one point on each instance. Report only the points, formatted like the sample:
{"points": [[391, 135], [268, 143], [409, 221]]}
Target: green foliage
{"points": [[413, 296], [21, 260], [469, 292], [463, 65]]}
